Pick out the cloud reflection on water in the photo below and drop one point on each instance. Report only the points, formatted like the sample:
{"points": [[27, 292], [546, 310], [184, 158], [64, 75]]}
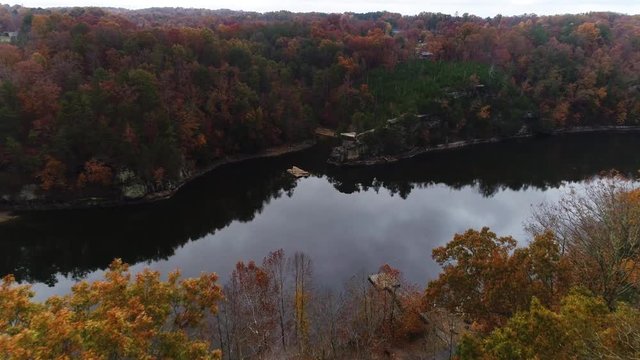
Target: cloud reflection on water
{"points": [[350, 233]]}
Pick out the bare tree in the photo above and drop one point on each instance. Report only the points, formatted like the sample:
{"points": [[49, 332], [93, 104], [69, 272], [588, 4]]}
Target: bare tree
{"points": [[358, 315], [275, 266], [326, 325], [598, 228], [247, 316], [302, 271]]}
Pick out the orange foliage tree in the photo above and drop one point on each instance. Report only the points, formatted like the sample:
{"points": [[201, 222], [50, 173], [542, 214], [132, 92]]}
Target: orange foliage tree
{"points": [[53, 175], [486, 279], [95, 172], [118, 317]]}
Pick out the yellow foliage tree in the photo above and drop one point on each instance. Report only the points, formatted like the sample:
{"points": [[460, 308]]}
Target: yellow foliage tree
{"points": [[116, 318], [582, 328]]}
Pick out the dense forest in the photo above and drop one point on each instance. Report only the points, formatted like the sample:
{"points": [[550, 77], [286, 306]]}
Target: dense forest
{"points": [[571, 291], [112, 103]]}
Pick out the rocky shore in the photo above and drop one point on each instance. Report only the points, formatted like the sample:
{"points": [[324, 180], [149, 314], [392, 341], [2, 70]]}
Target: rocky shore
{"points": [[354, 150], [130, 190]]}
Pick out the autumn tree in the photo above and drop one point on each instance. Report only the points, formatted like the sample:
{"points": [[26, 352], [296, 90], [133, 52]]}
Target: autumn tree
{"points": [[300, 264], [543, 333], [122, 316], [95, 172], [597, 229], [249, 312], [486, 279], [53, 175], [583, 327]]}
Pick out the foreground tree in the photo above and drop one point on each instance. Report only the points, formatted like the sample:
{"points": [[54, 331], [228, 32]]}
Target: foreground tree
{"points": [[250, 312], [275, 266], [518, 299], [486, 279], [302, 272], [116, 318], [582, 328], [598, 229], [274, 310]]}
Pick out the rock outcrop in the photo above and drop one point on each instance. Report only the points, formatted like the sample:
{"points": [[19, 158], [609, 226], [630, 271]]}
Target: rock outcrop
{"points": [[398, 138]]}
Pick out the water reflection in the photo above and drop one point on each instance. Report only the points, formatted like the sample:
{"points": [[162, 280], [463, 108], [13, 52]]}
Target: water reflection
{"points": [[395, 213], [539, 163]]}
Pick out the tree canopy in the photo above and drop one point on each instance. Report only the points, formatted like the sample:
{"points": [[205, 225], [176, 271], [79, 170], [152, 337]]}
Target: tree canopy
{"points": [[93, 99]]}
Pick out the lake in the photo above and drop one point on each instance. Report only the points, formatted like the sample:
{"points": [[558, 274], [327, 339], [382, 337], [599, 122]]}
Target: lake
{"points": [[349, 220]]}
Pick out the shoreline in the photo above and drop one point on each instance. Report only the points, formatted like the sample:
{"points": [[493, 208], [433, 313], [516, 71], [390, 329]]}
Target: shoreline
{"points": [[389, 159], [6, 216], [6, 210]]}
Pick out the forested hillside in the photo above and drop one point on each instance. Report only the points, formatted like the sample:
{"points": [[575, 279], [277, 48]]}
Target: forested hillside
{"points": [[96, 100]]}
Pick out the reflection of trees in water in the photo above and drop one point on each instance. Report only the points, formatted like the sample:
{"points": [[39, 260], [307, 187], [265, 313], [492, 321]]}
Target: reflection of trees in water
{"points": [[515, 165], [74, 243]]}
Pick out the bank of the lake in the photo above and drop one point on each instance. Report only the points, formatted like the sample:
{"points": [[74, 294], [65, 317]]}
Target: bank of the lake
{"points": [[348, 220], [67, 201], [353, 150]]}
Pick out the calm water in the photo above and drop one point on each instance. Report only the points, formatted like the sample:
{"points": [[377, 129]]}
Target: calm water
{"points": [[348, 220]]}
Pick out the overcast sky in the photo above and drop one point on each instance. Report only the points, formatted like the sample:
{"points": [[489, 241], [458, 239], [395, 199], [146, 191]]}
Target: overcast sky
{"points": [[481, 8]]}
